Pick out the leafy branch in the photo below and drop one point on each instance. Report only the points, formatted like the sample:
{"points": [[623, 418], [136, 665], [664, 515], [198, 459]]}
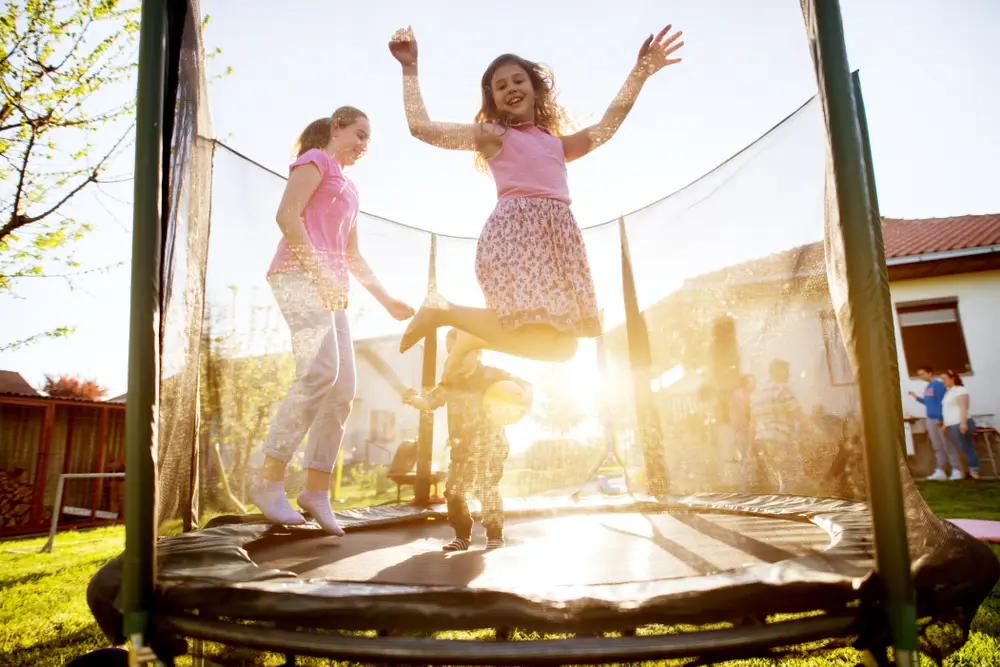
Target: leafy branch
{"points": [[14, 346]]}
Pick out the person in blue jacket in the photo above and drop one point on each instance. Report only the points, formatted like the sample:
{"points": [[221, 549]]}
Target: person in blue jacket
{"points": [[944, 450]]}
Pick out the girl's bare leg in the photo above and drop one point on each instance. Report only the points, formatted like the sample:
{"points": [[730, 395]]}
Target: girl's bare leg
{"points": [[317, 480], [537, 342], [273, 469]]}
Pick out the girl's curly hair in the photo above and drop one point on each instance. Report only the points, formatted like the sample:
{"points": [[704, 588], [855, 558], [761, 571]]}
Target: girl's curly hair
{"points": [[548, 114]]}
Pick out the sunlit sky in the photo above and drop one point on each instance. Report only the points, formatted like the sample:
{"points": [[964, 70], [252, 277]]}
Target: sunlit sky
{"points": [[928, 69]]}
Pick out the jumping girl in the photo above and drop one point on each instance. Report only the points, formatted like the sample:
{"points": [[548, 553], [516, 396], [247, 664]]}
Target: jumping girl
{"points": [[309, 277], [530, 260]]}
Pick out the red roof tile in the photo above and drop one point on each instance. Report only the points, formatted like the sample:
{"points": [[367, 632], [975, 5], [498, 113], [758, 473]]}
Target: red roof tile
{"points": [[906, 238], [903, 238], [797, 262]]}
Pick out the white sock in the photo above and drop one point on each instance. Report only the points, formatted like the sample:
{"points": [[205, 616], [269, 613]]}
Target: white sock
{"points": [[272, 500], [317, 503]]}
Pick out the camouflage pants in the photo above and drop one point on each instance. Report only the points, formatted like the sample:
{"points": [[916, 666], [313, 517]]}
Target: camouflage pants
{"points": [[477, 467]]}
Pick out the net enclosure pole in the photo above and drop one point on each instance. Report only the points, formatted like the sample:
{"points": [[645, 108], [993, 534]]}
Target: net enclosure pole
{"points": [[866, 147], [143, 348], [860, 286], [428, 378], [650, 437]]}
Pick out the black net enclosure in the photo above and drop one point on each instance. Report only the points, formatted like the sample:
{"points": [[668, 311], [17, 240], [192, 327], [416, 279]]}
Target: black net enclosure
{"points": [[682, 455]]}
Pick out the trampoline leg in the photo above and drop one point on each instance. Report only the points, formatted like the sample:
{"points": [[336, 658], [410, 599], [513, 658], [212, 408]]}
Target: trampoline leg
{"points": [[880, 658], [591, 475], [289, 660], [609, 457], [503, 634]]}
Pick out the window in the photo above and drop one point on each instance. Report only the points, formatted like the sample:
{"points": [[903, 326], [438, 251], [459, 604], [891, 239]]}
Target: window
{"points": [[838, 364], [932, 336]]}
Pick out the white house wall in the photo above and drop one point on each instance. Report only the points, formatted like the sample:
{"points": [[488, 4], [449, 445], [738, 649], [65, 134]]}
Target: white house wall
{"points": [[977, 295], [374, 393], [793, 333]]}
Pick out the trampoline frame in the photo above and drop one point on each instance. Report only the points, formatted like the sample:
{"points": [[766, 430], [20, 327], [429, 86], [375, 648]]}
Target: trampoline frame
{"points": [[725, 644], [851, 181]]}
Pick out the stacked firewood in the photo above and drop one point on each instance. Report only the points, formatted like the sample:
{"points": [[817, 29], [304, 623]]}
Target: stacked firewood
{"points": [[15, 498]]}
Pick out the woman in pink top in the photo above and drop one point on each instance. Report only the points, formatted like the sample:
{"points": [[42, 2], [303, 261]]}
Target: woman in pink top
{"points": [[310, 279], [530, 261]]}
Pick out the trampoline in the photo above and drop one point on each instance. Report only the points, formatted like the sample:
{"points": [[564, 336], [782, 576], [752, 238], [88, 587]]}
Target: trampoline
{"points": [[585, 568], [564, 568], [645, 521]]}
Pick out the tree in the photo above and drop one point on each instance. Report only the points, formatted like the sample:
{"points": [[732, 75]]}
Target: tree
{"points": [[62, 66], [242, 382], [66, 386]]}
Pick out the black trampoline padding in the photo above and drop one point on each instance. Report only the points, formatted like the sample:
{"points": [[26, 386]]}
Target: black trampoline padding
{"points": [[567, 567]]}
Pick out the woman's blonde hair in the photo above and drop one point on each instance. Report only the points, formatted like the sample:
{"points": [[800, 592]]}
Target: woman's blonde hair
{"points": [[317, 133]]}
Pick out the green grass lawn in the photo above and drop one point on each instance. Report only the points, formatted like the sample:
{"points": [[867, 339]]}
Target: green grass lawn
{"points": [[44, 619]]}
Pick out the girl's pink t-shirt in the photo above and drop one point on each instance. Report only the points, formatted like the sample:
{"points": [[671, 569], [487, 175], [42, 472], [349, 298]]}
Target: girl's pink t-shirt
{"points": [[530, 163], [328, 217]]}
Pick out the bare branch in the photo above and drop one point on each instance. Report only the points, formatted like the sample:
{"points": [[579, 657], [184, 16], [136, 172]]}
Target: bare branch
{"points": [[69, 55], [18, 220], [50, 124], [7, 56], [15, 218], [87, 181]]}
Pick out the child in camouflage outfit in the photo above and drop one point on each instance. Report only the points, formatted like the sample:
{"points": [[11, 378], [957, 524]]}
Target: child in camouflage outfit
{"points": [[479, 449]]}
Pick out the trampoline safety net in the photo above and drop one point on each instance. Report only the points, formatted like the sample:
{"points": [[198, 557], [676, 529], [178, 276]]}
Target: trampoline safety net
{"points": [[704, 455]]}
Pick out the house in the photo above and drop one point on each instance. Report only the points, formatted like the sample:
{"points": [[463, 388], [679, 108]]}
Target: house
{"points": [[42, 437], [944, 278], [15, 384], [379, 419], [732, 322]]}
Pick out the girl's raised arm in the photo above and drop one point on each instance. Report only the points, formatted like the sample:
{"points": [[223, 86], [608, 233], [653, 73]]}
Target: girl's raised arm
{"points": [[653, 56], [451, 136]]}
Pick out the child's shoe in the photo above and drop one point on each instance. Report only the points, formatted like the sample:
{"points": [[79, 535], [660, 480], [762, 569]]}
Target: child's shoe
{"points": [[457, 544]]}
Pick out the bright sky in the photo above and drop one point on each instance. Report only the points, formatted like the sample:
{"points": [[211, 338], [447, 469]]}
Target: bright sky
{"points": [[928, 69]]}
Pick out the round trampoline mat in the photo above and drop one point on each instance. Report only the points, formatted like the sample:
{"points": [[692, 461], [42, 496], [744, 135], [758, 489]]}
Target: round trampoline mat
{"points": [[545, 551]]}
